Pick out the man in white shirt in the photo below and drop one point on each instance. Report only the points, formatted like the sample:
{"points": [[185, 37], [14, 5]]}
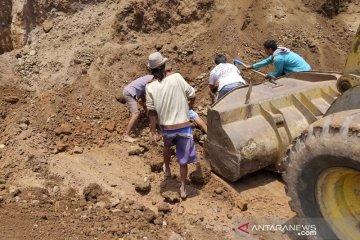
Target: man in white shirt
{"points": [[227, 75], [167, 99]]}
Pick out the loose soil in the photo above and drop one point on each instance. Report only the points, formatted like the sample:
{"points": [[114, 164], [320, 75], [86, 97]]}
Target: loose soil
{"points": [[65, 172]]}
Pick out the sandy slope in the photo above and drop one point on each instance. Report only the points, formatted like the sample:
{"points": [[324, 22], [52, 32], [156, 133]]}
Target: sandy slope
{"points": [[64, 83]]}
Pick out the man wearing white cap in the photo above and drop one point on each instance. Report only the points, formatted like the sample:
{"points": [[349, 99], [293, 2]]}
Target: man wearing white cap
{"points": [[167, 101]]}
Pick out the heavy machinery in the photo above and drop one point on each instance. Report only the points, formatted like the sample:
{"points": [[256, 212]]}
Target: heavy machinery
{"points": [[306, 125]]}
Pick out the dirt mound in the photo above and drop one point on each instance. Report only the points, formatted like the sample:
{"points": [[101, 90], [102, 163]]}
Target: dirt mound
{"points": [[330, 8], [61, 126], [158, 16], [15, 29], [38, 212], [92, 192]]}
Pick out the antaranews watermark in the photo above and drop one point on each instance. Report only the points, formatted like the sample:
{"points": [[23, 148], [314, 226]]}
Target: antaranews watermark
{"points": [[272, 227]]}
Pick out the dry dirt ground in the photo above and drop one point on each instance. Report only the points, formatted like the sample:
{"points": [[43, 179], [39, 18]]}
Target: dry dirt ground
{"points": [[64, 171]]}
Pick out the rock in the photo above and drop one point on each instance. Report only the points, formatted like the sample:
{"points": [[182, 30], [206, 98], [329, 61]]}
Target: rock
{"points": [[15, 192], [219, 190], [56, 189], [92, 192], [137, 150], [124, 229], [243, 206], [47, 25], [110, 126], [137, 215], [63, 129], [138, 207], [192, 221], [2, 146], [2, 181], [126, 209], [11, 99], [158, 221], [61, 205], [143, 186], [209, 227], [61, 146], [201, 76], [149, 215], [25, 135], [23, 126], [156, 166], [25, 120], [164, 208], [171, 197], [130, 202], [175, 236], [32, 53], [229, 216], [114, 202], [78, 150], [201, 175], [115, 210], [158, 46], [1, 199], [101, 204]]}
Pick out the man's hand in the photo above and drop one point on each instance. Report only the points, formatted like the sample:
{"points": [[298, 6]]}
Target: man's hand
{"points": [[142, 102], [239, 62], [153, 138], [213, 88], [248, 67]]}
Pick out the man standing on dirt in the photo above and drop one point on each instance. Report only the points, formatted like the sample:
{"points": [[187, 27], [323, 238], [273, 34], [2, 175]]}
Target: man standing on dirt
{"points": [[167, 101], [227, 76], [133, 93], [285, 61]]}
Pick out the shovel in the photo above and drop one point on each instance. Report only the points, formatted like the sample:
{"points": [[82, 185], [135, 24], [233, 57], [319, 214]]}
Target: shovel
{"points": [[239, 62]]}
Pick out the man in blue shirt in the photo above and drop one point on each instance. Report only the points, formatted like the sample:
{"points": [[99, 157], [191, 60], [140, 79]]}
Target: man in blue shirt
{"points": [[285, 61]]}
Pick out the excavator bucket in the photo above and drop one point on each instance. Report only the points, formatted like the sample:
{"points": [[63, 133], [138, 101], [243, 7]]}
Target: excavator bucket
{"points": [[251, 130]]}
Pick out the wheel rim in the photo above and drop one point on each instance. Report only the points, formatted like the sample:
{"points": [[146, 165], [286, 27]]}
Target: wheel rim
{"points": [[338, 196]]}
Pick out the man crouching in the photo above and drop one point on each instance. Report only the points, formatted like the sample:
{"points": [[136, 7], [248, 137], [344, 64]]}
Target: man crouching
{"points": [[167, 102]]}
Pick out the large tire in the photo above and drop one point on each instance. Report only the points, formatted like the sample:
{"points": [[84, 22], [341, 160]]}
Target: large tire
{"points": [[331, 144]]}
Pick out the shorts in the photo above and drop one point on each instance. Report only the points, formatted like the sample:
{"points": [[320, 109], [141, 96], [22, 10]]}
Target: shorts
{"points": [[228, 88], [193, 115], [130, 102], [183, 140]]}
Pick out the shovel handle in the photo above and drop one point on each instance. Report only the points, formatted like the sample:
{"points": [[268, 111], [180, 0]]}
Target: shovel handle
{"points": [[239, 62]]}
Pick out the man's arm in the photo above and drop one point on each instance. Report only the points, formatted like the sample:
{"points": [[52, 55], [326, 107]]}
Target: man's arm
{"points": [[213, 88], [262, 63], [191, 103], [153, 118], [149, 100], [212, 80], [189, 90], [142, 102]]}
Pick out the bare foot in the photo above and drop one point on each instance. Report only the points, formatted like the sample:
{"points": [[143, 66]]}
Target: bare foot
{"points": [[183, 193], [167, 171], [129, 139]]}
